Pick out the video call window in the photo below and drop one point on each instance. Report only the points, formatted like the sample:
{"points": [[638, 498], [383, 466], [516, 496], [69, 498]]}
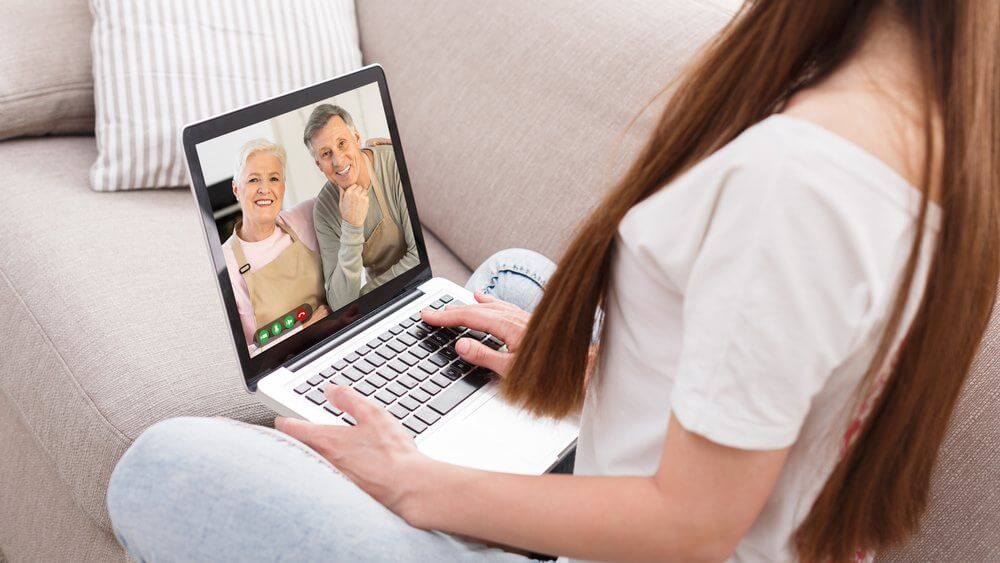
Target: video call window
{"points": [[311, 209]]}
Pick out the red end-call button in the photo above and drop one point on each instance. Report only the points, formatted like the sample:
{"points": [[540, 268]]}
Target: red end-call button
{"points": [[300, 314]]}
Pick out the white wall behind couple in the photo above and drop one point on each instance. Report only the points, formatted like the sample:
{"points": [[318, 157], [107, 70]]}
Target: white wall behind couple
{"points": [[302, 179]]}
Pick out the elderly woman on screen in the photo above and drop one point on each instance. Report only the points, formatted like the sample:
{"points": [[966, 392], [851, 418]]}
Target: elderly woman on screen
{"points": [[271, 256]]}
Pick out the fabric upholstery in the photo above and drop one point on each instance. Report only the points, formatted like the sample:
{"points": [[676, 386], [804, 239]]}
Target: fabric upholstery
{"points": [[517, 108], [45, 76], [159, 65]]}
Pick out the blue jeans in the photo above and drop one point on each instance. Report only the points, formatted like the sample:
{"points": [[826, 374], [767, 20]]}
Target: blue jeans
{"points": [[214, 489]]}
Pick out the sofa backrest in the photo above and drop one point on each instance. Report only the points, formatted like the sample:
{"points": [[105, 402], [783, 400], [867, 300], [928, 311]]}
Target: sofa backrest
{"points": [[516, 109]]}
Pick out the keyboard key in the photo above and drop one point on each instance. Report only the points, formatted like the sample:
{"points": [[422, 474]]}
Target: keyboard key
{"points": [[339, 365], [399, 366], [441, 380], [414, 424], [430, 388], [439, 339], [458, 392], [387, 352], [396, 389], [419, 352], [408, 403], [362, 350], [375, 359], [463, 365], [352, 357], [386, 397], [420, 396], [365, 388], [437, 304], [439, 360], [374, 343], [376, 380], [448, 352], [396, 329], [415, 317], [315, 380], [427, 415], [364, 367], [407, 381], [417, 374], [407, 339], [418, 333], [447, 298], [349, 419], [353, 374], [409, 359], [493, 343], [398, 411], [427, 345], [328, 372], [387, 372], [341, 379], [332, 410], [406, 323], [385, 336], [303, 388], [316, 396], [475, 334], [396, 347], [428, 367], [453, 373]]}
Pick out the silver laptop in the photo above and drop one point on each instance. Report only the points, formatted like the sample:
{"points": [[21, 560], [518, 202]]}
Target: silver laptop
{"points": [[362, 326]]}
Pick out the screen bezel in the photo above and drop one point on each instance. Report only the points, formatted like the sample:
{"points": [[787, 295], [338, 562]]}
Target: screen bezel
{"points": [[328, 328]]}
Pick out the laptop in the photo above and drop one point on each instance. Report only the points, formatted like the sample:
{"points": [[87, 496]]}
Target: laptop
{"points": [[361, 325]]}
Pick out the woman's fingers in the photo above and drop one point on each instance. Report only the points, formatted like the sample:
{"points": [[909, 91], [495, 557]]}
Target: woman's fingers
{"points": [[483, 298], [481, 355], [472, 316], [306, 432], [353, 403]]}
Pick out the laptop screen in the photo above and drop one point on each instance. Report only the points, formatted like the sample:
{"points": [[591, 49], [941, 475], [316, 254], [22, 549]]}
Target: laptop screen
{"points": [[312, 223]]}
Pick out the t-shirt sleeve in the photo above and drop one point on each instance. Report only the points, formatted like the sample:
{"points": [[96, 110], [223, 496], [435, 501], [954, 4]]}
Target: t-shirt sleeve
{"points": [[776, 298]]}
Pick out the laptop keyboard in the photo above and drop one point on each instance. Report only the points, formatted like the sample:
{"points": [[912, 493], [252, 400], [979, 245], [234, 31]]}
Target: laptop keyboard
{"points": [[412, 370]]}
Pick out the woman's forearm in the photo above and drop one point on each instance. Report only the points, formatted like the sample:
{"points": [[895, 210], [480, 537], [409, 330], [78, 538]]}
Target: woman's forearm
{"points": [[604, 518]]}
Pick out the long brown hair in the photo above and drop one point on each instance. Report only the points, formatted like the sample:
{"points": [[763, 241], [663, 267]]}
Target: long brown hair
{"points": [[878, 490]]}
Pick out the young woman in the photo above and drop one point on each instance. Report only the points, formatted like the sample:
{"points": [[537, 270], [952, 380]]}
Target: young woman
{"points": [[794, 274]]}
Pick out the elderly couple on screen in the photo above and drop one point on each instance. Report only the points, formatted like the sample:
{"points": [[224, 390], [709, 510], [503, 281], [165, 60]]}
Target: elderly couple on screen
{"points": [[326, 251]]}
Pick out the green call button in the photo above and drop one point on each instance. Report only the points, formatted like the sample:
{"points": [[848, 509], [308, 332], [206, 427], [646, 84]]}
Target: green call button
{"points": [[275, 329], [289, 321], [263, 336]]}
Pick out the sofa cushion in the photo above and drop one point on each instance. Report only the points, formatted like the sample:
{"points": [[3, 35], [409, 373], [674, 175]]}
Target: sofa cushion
{"points": [[518, 109], [45, 77], [92, 287]]}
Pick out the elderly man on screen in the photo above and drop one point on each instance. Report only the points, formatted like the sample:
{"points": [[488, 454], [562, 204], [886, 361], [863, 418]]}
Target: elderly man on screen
{"points": [[361, 220]]}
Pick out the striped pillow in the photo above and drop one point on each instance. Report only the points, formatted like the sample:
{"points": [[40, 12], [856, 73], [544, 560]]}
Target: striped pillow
{"points": [[160, 64]]}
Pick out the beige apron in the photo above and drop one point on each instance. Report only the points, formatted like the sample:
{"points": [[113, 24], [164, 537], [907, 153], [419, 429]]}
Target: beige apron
{"points": [[293, 278], [386, 245]]}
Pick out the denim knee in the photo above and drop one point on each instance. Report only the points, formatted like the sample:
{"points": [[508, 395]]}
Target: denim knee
{"points": [[515, 275]]}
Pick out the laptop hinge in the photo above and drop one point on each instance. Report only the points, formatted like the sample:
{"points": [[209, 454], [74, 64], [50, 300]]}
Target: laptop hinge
{"points": [[357, 328]]}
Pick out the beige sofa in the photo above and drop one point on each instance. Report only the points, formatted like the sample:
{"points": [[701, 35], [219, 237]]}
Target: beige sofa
{"points": [[513, 116]]}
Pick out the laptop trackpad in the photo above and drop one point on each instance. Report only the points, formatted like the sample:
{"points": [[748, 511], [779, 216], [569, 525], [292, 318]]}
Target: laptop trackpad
{"points": [[499, 437]]}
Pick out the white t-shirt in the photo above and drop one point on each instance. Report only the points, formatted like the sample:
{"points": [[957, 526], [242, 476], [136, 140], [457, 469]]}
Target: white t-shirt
{"points": [[748, 298]]}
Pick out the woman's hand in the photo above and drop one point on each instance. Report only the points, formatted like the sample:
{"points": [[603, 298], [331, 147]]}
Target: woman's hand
{"points": [[354, 204], [501, 319], [376, 454]]}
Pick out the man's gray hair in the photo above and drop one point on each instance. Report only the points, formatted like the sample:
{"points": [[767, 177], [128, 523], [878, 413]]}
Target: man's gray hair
{"points": [[320, 117], [252, 147]]}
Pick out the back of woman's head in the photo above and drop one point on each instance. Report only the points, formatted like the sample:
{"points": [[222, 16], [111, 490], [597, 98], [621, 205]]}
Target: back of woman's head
{"points": [[771, 50]]}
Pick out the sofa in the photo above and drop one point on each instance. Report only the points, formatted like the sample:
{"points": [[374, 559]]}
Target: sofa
{"points": [[515, 115]]}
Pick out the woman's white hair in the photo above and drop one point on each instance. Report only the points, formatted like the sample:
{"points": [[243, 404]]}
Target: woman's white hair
{"points": [[253, 147]]}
